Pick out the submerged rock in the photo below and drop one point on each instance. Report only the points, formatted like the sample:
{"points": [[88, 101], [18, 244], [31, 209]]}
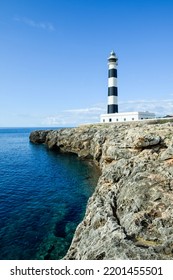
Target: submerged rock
{"points": [[130, 214]]}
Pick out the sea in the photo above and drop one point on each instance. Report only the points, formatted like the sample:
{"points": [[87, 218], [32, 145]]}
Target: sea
{"points": [[43, 197]]}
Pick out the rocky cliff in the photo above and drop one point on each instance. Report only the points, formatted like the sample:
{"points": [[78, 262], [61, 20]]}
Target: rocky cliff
{"points": [[130, 214]]}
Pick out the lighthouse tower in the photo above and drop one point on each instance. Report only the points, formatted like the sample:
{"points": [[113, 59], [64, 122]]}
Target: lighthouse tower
{"points": [[112, 108], [112, 84]]}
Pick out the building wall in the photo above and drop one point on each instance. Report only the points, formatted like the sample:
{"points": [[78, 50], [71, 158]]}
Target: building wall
{"points": [[127, 116]]}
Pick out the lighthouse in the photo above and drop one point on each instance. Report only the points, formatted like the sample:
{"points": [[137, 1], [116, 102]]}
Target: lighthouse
{"points": [[112, 108], [112, 84]]}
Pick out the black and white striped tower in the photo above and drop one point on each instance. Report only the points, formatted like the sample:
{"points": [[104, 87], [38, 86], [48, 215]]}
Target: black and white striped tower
{"points": [[112, 84]]}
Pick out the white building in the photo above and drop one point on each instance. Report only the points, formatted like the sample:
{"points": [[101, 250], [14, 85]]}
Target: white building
{"points": [[127, 116], [112, 108]]}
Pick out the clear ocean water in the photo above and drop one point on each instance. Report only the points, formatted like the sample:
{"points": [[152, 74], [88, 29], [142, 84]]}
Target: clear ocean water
{"points": [[43, 197]]}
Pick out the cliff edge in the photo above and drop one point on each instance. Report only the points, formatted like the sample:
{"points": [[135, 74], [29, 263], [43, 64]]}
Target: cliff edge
{"points": [[130, 214]]}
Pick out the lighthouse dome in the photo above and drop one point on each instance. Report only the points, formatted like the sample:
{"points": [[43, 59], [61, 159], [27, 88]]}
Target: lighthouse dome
{"points": [[112, 53], [112, 57]]}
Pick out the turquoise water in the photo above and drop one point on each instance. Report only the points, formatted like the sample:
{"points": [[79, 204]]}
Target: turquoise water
{"points": [[43, 197]]}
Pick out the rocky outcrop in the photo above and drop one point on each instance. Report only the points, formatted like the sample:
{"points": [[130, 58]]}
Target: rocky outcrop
{"points": [[39, 136], [130, 214]]}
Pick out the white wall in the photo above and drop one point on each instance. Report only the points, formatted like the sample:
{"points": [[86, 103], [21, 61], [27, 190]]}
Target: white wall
{"points": [[128, 116]]}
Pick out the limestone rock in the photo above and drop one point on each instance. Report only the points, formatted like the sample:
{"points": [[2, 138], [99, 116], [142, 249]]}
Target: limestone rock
{"points": [[130, 214], [146, 141], [167, 154], [38, 136]]}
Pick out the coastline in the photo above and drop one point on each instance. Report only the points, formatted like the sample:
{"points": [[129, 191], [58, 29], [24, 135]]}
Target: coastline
{"points": [[129, 216]]}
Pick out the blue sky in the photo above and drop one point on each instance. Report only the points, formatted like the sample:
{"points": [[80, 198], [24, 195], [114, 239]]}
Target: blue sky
{"points": [[53, 59]]}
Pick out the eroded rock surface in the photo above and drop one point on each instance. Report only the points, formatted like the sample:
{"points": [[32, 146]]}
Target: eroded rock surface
{"points": [[130, 214]]}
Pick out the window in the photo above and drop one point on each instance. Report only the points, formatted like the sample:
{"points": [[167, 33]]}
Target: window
{"points": [[103, 120], [117, 120], [110, 120], [132, 119], [124, 119]]}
